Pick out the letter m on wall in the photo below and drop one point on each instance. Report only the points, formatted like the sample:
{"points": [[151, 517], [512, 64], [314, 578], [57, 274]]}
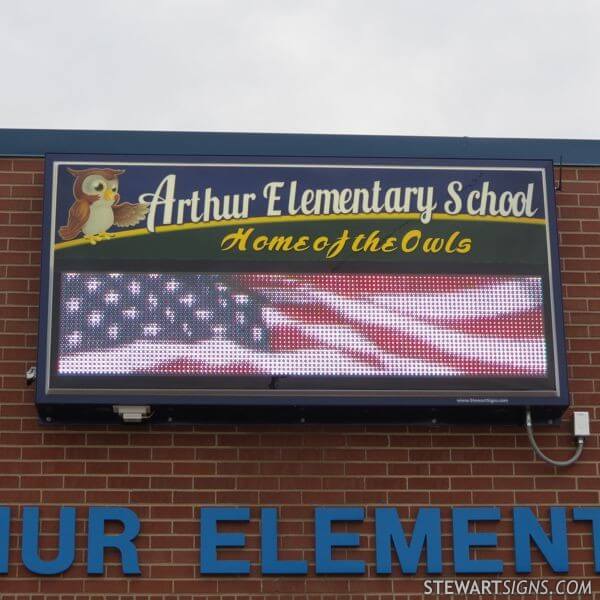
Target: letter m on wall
{"points": [[389, 533]]}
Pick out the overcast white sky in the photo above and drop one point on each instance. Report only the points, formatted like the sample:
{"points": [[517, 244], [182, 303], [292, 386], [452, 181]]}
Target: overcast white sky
{"points": [[501, 68]]}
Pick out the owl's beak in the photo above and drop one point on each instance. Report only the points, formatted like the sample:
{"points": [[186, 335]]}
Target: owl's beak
{"points": [[108, 195]]}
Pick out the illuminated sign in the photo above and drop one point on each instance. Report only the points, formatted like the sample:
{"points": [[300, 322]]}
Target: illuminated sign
{"points": [[246, 281]]}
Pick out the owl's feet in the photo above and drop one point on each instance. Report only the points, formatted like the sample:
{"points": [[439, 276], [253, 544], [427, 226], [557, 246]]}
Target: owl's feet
{"points": [[105, 235], [93, 239]]}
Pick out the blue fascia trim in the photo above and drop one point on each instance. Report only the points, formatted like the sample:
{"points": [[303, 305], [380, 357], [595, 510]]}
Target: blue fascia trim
{"points": [[38, 142]]}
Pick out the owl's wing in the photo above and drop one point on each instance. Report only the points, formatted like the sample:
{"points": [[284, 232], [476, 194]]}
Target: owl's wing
{"points": [[128, 214], [79, 213]]}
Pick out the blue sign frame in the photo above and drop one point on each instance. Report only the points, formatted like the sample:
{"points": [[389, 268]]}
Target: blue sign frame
{"points": [[79, 402]]}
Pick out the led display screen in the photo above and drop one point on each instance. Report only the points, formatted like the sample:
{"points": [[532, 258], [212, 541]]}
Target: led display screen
{"points": [[209, 281], [318, 324]]}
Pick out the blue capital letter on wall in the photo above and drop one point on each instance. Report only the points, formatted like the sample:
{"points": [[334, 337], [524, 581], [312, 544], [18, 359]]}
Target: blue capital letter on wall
{"points": [[427, 530], [527, 527], [326, 540], [4, 538], [31, 539], [271, 565], [464, 539], [211, 539], [98, 540], [591, 513]]}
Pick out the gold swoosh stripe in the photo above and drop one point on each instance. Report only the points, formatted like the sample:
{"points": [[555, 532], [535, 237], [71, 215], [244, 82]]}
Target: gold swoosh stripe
{"points": [[308, 218]]}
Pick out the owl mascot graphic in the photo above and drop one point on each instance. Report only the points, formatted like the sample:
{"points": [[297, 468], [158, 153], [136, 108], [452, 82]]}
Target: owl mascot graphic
{"points": [[96, 208]]}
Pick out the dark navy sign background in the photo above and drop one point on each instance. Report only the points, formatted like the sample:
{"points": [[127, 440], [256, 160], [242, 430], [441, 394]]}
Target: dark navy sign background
{"points": [[323, 199], [139, 179], [251, 231]]}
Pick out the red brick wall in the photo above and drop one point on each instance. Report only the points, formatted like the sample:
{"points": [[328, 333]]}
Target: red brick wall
{"points": [[166, 472]]}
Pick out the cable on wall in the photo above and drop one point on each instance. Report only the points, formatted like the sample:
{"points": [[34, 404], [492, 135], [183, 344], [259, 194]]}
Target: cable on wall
{"points": [[581, 431]]}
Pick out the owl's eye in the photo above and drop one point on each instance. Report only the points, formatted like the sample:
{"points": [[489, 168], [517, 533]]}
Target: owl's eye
{"points": [[114, 188], [99, 187]]}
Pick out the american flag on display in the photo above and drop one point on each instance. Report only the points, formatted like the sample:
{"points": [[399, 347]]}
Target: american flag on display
{"points": [[323, 324]]}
